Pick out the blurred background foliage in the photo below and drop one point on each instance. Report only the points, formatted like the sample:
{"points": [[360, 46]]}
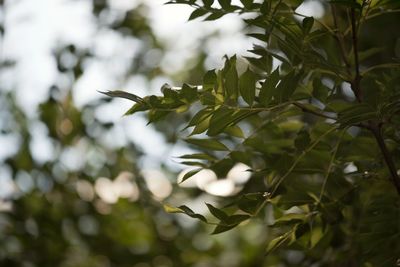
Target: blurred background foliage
{"points": [[77, 196], [81, 196]]}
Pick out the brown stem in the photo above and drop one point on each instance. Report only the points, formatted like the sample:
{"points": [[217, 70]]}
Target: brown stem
{"points": [[377, 131]]}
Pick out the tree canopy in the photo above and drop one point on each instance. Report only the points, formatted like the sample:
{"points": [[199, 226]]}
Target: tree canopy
{"points": [[308, 119], [314, 113]]}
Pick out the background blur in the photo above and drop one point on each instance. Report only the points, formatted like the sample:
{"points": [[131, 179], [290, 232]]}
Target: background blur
{"points": [[80, 185]]}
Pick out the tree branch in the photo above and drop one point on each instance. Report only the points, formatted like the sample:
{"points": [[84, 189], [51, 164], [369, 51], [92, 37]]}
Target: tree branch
{"points": [[377, 131]]}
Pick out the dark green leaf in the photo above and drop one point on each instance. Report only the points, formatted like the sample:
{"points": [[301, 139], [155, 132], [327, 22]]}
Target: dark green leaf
{"points": [[217, 213], [237, 218], [287, 237], [222, 228], [291, 218], [199, 117], [189, 174], [225, 4], [191, 213], [247, 86], [287, 86], [198, 156], [230, 77], [208, 144], [188, 93], [208, 3], [224, 117], [250, 202], [197, 13], [247, 3], [308, 22], [220, 119], [215, 15], [268, 88], [357, 113], [320, 91], [302, 140], [235, 131], [125, 95], [209, 80]]}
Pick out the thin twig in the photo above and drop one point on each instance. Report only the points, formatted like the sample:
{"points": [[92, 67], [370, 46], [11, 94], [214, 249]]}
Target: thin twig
{"points": [[382, 13], [357, 79], [340, 39], [328, 171], [311, 111], [311, 147]]}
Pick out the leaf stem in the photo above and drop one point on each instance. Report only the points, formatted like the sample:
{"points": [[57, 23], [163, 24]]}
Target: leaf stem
{"points": [[328, 171]]}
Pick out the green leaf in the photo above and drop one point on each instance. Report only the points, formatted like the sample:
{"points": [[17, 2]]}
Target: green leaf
{"points": [[308, 22], [230, 77], [188, 93], [225, 4], [171, 209], [235, 131], [320, 91], [209, 80], [268, 88], [208, 144], [185, 210], [302, 140], [217, 213], [191, 213], [222, 228], [193, 163], [247, 86], [199, 117], [201, 127], [287, 86], [198, 156], [277, 242], [208, 3], [316, 235], [197, 13], [220, 119], [224, 117], [214, 16], [126, 95], [237, 219], [247, 3], [137, 108], [250, 202], [291, 218], [356, 113], [190, 174]]}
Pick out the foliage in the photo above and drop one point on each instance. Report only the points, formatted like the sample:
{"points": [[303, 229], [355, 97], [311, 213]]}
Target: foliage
{"points": [[316, 114], [56, 217]]}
